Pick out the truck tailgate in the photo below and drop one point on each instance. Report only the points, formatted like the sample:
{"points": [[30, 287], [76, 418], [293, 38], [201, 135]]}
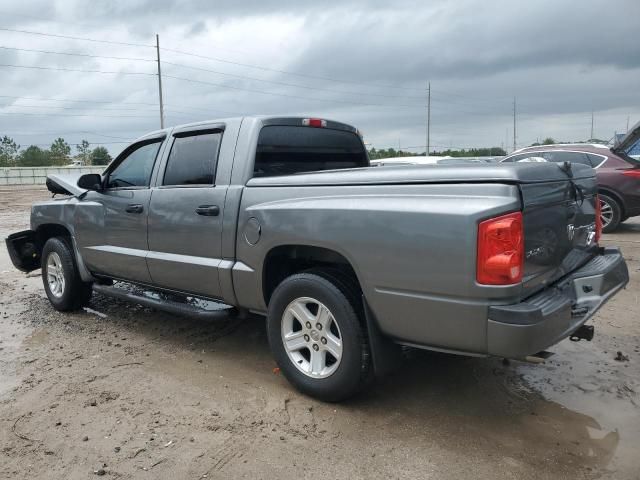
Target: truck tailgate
{"points": [[559, 228]]}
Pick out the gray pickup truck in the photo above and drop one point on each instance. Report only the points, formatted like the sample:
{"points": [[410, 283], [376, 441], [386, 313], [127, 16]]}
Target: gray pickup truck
{"points": [[284, 217]]}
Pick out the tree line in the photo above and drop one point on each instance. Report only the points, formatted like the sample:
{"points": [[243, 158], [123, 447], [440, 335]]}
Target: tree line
{"points": [[58, 154], [375, 154]]}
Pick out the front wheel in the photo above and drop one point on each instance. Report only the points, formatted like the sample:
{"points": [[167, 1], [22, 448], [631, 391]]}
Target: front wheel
{"points": [[62, 283], [610, 213], [317, 338]]}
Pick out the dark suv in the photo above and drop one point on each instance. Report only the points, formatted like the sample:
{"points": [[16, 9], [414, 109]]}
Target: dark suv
{"points": [[618, 174]]}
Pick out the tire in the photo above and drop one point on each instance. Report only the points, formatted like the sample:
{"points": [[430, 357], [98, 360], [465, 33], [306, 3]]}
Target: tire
{"points": [[611, 213], [333, 377], [62, 283]]}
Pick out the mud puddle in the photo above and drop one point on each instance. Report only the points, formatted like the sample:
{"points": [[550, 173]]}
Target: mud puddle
{"points": [[587, 378]]}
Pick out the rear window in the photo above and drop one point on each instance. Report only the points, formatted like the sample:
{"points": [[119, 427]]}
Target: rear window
{"points": [[286, 150]]}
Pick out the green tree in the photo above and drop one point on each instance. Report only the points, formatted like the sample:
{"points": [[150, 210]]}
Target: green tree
{"points": [[100, 156], [8, 152], [84, 152], [60, 152], [34, 156], [548, 141], [375, 154]]}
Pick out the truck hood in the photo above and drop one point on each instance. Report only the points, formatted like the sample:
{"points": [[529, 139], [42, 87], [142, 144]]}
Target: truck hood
{"points": [[628, 140], [64, 184], [516, 173]]}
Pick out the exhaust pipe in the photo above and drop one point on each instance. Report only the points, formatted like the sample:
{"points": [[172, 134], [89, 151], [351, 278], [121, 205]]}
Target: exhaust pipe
{"points": [[538, 358]]}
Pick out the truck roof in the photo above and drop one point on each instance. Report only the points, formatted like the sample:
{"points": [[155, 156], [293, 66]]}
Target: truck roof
{"points": [[265, 119]]}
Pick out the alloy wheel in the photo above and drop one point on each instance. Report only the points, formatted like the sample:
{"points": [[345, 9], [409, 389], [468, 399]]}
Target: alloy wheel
{"points": [[606, 213], [55, 275], [311, 337]]}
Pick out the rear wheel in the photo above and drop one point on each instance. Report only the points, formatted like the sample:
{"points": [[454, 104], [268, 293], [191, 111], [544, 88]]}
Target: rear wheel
{"points": [[62, 283], [610, 213], [317, 337]]}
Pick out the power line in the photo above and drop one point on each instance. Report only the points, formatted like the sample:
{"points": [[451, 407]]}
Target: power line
{"points": [[192, 80], [295, 85], [190, 109], [67, 108], [245, 77], [179, 65], [49, 114], [247, 65], [60, 134], [48, 99], [259, 67], [74, 69], [180, 52], [65, 23], [73, 54], [69, 37], [467, 97]]}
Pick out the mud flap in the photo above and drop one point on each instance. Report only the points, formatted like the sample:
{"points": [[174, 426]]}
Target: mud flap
{"points": [[386, 355]]}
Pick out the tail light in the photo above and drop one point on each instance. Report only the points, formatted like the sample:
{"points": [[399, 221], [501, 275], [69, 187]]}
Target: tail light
{"points": [[500, 250], [632, 172], [314, 122], [598, 219]]}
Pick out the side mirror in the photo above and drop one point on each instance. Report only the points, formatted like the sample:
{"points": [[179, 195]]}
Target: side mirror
{"points": [[90, 181]]}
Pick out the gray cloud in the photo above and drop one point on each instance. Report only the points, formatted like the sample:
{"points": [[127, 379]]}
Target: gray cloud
{"points": [[559, 60]]}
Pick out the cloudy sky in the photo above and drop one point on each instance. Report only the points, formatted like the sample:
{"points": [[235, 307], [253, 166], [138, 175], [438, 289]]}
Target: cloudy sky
{"points": [[365, 63]]}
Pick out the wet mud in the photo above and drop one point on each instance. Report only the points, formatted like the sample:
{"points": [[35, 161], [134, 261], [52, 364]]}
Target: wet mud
{"points": [[127, 392]]}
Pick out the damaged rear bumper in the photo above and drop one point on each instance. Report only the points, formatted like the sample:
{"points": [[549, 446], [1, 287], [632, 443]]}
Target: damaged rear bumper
{"points": [[515, 331]]}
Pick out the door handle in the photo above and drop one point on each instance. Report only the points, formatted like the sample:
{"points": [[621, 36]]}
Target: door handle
{"points": [[208, 210], [134, 208]]}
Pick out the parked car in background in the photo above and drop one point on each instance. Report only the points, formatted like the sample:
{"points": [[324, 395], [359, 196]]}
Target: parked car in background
{"points": [[432, 160], [618, 173], [413, 160]]}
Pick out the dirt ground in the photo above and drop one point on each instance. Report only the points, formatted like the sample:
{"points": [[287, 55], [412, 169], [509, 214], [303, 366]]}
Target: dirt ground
{"points": [[127, 392]]}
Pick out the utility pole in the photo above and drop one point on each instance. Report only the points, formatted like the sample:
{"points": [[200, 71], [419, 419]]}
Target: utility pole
{"points": [[428, 115], [514, 124], [160, 82], [506, 139], [591, 137], [627, 123]]}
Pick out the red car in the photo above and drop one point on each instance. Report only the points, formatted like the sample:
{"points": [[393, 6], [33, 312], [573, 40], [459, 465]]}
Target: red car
{"points": [[618, 173]]}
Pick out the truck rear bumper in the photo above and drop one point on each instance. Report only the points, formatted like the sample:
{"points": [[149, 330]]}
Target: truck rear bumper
{"points": [[515, 331]]}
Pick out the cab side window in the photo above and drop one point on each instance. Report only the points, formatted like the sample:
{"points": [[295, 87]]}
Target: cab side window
{"points": [[136, 168], [193, 159]]}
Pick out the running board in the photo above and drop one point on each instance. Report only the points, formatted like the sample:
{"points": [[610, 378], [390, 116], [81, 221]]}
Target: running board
{"points": [[166, 305]]}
